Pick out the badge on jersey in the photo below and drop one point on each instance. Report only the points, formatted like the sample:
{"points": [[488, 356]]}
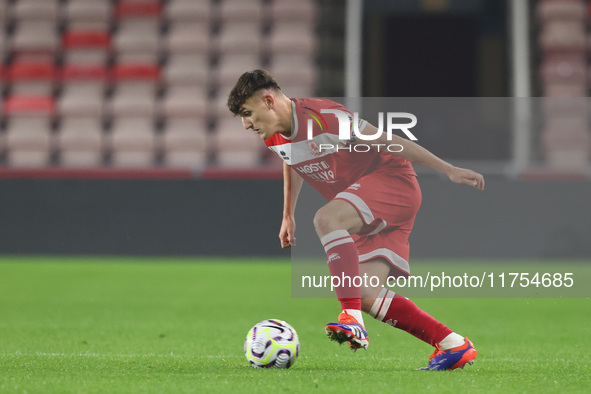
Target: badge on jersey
{"points": [[314, 147]]}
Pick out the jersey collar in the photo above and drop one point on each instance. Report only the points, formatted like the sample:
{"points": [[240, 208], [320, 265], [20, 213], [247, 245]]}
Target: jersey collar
{"points": [[294, 122]]}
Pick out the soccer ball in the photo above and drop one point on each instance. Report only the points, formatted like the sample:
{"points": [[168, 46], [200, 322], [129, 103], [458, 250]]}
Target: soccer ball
{"points": [[272, 343]]}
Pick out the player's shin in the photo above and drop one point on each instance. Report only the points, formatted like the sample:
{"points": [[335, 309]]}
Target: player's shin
{"points": [[400, 312], [343, 263]]}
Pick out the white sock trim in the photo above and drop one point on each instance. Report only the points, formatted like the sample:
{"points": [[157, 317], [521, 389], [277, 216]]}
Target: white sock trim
{"points": [[335, 238], [381, 304], [377, 303], [452, 340], [356, 313]]}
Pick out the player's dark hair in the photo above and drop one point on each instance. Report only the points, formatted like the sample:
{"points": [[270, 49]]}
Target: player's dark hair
{"points": [[248, 84]]}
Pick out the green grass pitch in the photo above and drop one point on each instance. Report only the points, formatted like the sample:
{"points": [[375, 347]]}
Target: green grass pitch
{"points": [[115, 325]]}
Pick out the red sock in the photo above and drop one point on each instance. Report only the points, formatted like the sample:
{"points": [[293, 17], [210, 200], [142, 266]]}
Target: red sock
{"points": [[400, 312], [343, 263]]}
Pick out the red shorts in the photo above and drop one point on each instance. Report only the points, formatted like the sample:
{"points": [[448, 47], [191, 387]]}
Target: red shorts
{"points": [[388, 204]]}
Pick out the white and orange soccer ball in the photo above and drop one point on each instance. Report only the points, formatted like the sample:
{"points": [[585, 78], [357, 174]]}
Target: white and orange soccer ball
{"points": [[272, 343]]}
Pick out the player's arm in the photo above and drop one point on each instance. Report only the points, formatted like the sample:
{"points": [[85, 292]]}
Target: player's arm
{"points": [[292, 185], [416, 154]]}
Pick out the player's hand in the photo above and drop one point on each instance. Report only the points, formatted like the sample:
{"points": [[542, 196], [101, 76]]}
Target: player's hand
{"points": [[467, 177], [286, 234]]}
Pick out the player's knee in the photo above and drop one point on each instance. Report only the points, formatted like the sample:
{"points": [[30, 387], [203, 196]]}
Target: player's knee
{"points": [[324, 223]]}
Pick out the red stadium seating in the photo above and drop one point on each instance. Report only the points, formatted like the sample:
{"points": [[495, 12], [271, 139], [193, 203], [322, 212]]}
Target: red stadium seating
{"points": [[86, 39], [185, 142], [82, 72], [94, 76], [44, 105], [80, 141], [128, 72], [130, 8]]}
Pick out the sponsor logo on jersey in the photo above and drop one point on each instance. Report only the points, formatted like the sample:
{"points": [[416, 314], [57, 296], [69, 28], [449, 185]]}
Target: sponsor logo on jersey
{"points": [[354, 186], [318, 171]]}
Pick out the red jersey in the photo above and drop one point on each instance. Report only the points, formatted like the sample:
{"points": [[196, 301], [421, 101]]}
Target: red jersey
{"points": [[327, 163]]}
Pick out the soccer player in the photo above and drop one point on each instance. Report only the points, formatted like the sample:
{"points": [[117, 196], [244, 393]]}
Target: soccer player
{"points": [[373, 199]]}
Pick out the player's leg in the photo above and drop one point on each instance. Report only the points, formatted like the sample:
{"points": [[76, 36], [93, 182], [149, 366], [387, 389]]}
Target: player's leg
{"points": [[396, 310], [452, 350], [334, 224]]}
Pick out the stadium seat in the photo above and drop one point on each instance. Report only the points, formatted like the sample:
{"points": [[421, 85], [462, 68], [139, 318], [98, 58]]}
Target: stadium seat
{"points": [[187, 68], [562, 89], [3, 10], [135, 72], [188, 10], [298, 90], [237, 159], [185, 142], [184, 100], [293, 38], [35, 79], [231, 11], [559, 35], [28, 105], [46, 10], [88, 46], [236, 147], [137, 40], [565, 10], [565, 68], [86, 39], [34, 36], [138, 9], [565, 147], [133, 99], [133, 141], [189, 36], [288, 10], [29, 139], [17, 157], [83, 72], [83, 88], [135, 89], [294, 70], [81, 99], [217, 107], [90, 56], [88, 14], [239, 37], [80, 141], [232, 65]]}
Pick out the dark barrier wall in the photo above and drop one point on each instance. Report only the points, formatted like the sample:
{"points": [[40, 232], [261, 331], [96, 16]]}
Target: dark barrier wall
{"points": [[242, 217], [140, 217]]}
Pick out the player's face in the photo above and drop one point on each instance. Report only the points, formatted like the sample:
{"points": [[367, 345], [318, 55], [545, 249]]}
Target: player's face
{"points": [[257, 114]]}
